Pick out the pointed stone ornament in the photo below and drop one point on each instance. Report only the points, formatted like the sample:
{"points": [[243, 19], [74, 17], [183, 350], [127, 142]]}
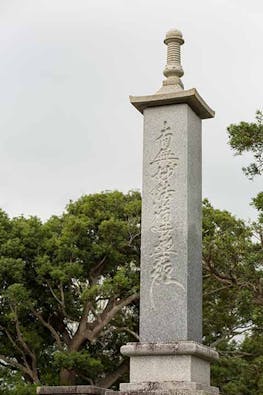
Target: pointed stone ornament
{"points": [[173, 70], [170, 357], [172, 90]]}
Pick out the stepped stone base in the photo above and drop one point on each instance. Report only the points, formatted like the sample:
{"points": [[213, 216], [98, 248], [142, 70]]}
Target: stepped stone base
{"points": [[182, 361], [178, 368], [175, 392], [72, 390], [171, 387]]}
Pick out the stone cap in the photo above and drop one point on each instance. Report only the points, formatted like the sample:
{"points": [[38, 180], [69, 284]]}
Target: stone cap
{"points": [[183, 347], [190, 97], [73, 390]]}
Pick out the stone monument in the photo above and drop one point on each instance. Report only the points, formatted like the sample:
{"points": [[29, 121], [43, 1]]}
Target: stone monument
{"points": [[170, 356]]}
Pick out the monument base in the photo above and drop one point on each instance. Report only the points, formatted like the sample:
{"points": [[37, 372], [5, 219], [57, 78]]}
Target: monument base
{"points": [[174, 392], [169, 387], [72, 390], [178, 368]]}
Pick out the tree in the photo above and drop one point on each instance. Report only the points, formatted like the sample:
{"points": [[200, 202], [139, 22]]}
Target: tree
{"points": [[248, 137], [66, 286], [237, 264], [233, 300]]}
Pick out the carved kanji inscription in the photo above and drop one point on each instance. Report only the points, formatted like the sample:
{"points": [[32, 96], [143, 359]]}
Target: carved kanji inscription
{"points": [[163, 167]]}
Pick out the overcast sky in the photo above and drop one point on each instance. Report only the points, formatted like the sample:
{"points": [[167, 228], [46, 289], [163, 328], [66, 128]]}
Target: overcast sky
{"points": [[67, 68]]}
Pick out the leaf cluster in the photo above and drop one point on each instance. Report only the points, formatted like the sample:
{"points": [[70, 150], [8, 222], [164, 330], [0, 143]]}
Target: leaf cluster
{"points": [[248, 137]]}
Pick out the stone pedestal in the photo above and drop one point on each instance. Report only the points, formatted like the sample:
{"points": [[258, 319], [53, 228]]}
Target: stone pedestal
{"points": [[183, 365]]}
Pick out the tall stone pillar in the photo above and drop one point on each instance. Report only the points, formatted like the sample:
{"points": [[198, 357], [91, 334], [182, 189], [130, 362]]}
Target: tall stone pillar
{"points": [[170, 355]]}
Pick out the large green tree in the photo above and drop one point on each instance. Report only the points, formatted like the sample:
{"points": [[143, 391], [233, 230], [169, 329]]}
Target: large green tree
{"points": [[69, 290], [240, 369], [233, 300]]}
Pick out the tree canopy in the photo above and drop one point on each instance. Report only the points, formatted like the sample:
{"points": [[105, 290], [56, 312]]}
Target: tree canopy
{"points": [[69, 290]]}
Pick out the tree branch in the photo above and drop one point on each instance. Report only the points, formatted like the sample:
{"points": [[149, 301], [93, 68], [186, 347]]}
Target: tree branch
{"points": [[97, 270], [20, 336], [111, 378], [11, 362], [47, 325], [205, 294], [221, 277], [53, 293], [107, 315], [128, 330], [13, 342]]}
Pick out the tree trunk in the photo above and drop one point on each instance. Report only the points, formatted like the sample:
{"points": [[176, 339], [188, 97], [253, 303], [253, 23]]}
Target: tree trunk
{"points": [[111, 378], [67, 377]]}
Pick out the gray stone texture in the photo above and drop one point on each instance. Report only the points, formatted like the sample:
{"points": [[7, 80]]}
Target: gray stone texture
{"points": [[190, 97], [171, 275], [170, 386], [164, 392], [73, 390], [175, 348], [169, 366]]}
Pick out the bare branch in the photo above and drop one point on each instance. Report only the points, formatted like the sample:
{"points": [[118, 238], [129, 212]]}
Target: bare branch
{"points": [[107, 314], [128, 330], [12, 362], [52, 330], [54, 294], [221, 277], [13, 342], [7, 361], [62, 295], [217, 290], [20, 336], [89, 380], [97, 270]]}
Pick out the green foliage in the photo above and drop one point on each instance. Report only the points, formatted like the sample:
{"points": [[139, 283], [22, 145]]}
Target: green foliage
{"points": [[11, 383], [78, 360], [66, 284], [233, 273], [248, 137], [241, 371], [20, 389], [68, 295]]}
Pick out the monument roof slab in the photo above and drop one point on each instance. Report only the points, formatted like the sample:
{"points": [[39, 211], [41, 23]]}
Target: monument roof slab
{"points": [[190, 97]]}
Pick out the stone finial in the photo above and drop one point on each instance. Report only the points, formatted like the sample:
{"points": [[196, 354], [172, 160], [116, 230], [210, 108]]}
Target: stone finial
{"points": [[173, 69]]}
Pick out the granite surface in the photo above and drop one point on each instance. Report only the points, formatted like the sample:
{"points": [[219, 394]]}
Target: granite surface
{"points": [[169, 368], [190, 97], [73, 390], [167, 386], [174, 392], [171, 275], [176, 348]]}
